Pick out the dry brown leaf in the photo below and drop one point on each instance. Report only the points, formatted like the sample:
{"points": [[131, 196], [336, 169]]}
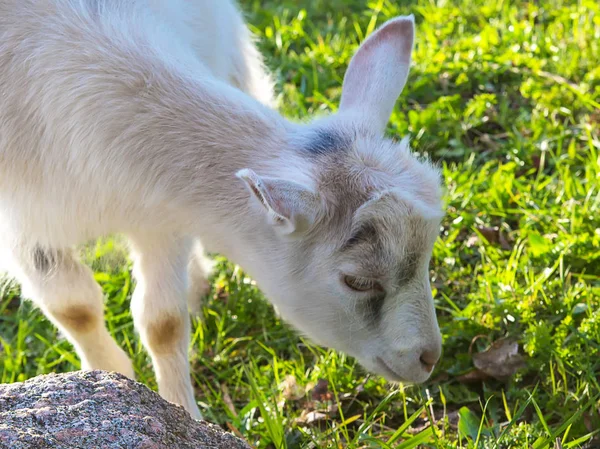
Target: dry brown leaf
{"points": [[321, 391], [227, 399], [494, 236], [501, 360], [491, 234], [504, 243]]}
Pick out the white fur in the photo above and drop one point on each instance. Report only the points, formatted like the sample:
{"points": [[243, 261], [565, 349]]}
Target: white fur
{"points": [[134, 116]]}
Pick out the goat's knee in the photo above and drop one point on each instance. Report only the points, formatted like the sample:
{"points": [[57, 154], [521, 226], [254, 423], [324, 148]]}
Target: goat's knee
{"points": [[165, 331], [77, 318], [160, 314], [166, 334]]}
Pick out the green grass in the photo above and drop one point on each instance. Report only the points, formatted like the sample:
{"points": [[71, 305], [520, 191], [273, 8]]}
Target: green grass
{"points": [[505, 97]]}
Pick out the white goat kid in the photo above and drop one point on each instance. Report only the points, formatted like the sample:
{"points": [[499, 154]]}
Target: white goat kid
{"points": [[134, 117]]}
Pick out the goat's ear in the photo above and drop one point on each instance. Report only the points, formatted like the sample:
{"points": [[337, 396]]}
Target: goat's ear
{"points": [[378, 71], [290, 206]]}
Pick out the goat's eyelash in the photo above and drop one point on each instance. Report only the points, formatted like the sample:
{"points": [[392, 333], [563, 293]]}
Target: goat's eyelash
{"points": [[362, 284]]}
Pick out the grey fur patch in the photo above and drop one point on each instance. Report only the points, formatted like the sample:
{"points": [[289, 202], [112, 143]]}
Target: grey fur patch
{"points": [[43, 260], [371, 309], [325, 142], [407, 270], [366, 233]]}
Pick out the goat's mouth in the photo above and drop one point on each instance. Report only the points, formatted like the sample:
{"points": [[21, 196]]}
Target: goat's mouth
{"points": [[390, 374]]}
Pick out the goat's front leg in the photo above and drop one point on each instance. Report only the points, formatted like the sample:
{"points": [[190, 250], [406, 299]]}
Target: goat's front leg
{"points": [[160, 313]]}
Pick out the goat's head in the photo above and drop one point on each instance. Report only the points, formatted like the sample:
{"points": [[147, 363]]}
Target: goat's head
{"points": [[353, 238]]}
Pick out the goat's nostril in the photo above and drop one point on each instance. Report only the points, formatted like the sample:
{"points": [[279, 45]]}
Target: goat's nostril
{"points": [[428, 360], [428, 366]]}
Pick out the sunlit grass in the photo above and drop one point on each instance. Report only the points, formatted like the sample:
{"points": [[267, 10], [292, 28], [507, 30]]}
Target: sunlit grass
{"points": [[505, 97]]}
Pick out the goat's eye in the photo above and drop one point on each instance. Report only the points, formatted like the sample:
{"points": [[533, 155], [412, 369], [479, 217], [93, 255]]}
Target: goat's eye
{"points": [[361, 284]]}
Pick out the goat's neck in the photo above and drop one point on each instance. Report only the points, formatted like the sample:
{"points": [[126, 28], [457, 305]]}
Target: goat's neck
{"points": [[220, 131]]}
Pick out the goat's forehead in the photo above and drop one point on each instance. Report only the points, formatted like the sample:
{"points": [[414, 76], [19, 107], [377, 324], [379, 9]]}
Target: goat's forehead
{"points": [[403, 234], [386, 225], [352, 167]]}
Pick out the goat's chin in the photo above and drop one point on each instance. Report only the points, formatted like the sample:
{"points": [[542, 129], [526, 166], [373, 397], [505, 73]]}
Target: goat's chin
{"points": [[372, 366]]}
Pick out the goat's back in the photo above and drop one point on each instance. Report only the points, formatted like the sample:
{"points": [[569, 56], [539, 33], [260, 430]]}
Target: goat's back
{"points": [[75, 77]]}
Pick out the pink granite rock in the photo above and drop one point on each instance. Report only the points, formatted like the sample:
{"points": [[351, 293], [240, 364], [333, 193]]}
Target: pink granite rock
{"points": [[96, 409]]}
